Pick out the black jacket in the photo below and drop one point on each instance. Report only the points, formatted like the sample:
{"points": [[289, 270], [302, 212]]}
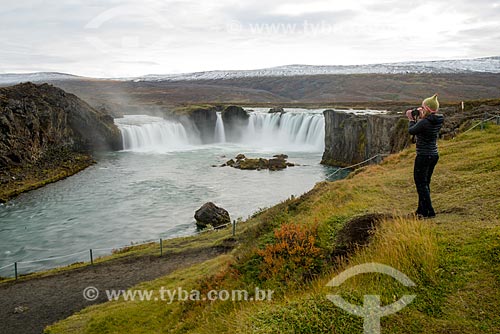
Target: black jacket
{"points": [[427, 133]]}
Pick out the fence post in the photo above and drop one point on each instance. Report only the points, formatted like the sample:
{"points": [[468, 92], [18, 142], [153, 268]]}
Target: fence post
{"points": [[91, 258], [234, 228], [161, 247], [498, 120], [483, 123], [15, 269]]}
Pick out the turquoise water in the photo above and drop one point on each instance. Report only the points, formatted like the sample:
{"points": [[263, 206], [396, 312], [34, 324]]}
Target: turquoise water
{"points": [[152, 189], [132, 197]]}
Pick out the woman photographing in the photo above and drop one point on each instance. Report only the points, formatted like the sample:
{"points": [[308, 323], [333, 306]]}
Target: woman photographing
{"points": [[425, 127]]}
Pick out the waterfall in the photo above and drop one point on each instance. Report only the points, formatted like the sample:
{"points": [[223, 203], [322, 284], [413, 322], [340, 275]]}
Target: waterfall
{"points": [[153, 134], [220, 133], [293, 130]]}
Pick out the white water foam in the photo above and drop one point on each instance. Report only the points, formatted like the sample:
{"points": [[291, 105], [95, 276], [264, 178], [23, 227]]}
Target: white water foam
{"points": [[142, 133]]}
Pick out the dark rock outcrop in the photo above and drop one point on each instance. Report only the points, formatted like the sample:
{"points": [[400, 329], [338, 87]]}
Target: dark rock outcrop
{"points": [[46, 135], [203, 120], [36, 119], [276, 110], [281, 156], [252, 164], [235, 119], [211, 214], [351, 139], [277, 163]]}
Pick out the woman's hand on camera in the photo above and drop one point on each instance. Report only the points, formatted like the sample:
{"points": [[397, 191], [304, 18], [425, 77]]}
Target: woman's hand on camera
{"points": [[409, 115]]}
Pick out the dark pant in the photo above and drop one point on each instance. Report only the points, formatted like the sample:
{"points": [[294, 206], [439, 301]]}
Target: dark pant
{"points": [[422, 174]]}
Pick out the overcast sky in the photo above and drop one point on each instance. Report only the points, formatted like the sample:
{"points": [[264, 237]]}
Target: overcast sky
{"points": [[112, 38]]}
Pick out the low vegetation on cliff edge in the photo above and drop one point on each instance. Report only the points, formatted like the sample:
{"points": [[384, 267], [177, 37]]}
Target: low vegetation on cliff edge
{"points": [[46, 135], [296, 248]]}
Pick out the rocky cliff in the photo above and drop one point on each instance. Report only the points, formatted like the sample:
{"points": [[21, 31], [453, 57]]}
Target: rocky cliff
{"points": [[43, 128], [197, 119], [350, 138], [203, 119], [235, 119]]}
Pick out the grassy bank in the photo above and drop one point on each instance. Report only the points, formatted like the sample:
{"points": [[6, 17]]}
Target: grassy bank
{"points": [[19, 180], [297, 247]]}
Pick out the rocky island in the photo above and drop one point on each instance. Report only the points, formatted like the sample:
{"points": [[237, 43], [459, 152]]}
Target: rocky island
{"points": [[278, 162]]}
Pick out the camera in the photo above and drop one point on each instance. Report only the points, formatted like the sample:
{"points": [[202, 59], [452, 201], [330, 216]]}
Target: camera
{"points": [[415, 113]]}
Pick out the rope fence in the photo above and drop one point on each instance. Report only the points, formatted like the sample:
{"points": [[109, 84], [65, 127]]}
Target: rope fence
{"points": [[92, 250], [485, 120], [356, 165], [7, 266]]}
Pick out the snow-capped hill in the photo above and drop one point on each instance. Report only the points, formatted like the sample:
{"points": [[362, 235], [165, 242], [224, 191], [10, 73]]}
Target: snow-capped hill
{"points": [[15, 78], [478, 65]]}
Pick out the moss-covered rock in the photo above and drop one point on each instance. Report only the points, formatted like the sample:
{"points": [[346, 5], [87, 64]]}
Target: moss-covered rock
{"points": [[278, 162], [253, 164]]}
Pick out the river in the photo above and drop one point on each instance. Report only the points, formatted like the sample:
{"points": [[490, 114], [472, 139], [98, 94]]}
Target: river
{"points": [[151, 189]]}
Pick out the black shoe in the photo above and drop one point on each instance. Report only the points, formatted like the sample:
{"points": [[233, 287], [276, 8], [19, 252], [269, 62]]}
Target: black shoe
{"points": [[419, 215]]}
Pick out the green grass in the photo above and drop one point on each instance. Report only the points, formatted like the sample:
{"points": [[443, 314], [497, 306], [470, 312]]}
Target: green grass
{"points": [[32, 178], [187, 110], [454, 259]]}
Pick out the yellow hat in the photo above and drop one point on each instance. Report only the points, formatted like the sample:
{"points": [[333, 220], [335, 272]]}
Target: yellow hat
{"points": [[431, 104]]}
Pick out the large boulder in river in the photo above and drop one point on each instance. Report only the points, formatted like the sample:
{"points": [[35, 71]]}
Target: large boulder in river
{"points": [[235, 121], [211, 214]]}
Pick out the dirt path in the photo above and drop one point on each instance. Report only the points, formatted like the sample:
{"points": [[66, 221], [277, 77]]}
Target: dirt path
{"points": [[53, 298]]}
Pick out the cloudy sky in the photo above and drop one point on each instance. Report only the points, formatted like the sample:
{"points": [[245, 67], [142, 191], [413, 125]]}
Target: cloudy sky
{"points": [[113, 38]]}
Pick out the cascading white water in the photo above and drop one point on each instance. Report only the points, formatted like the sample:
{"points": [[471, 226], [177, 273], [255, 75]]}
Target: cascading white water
{"points": [[220, 133], [294, 130], [142, 133]]}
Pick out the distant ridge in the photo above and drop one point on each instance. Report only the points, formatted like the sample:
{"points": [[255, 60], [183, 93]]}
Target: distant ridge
{"points": [[37, 77], [477, 65], [461, 66]]}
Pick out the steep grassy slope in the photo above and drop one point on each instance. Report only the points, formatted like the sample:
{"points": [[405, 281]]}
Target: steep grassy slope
{"points": [[295, 250]]}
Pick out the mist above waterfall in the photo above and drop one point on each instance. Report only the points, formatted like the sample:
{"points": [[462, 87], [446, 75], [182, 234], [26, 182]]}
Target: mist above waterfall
{"points": [[296, 130]]}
